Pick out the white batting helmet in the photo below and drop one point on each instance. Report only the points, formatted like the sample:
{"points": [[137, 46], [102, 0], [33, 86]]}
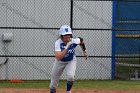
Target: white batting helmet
{"points": [[64, 30]]}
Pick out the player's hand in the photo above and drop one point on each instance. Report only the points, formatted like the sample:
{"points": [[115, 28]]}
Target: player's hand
{"points": [[68, 44], [85, 54]]}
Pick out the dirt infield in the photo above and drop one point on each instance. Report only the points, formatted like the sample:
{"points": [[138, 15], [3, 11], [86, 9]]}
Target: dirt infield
{"points": [[12, 90]]}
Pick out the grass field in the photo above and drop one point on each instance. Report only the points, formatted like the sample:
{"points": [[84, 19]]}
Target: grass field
{"points": [[89, 84]]}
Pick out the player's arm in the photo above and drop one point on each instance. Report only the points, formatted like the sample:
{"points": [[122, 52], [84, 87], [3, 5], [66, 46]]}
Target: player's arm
{"points": [[60, 54], [82, 45]]}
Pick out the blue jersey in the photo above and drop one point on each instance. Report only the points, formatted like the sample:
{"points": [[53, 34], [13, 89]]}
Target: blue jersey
{"points": [[60, 46]]}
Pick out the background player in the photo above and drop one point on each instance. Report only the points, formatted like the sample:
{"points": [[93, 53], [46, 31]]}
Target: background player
{"points": [[65, 58]]}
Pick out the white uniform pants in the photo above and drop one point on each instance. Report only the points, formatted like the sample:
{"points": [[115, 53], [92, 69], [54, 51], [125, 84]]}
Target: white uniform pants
{"points": [[57, 71]]}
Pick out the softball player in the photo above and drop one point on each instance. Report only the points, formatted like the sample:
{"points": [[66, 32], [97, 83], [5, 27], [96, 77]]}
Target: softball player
{"points": [[65, 58]]}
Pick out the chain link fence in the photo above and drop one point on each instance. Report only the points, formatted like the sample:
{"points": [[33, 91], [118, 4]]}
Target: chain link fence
{"points": [[33, 26]]}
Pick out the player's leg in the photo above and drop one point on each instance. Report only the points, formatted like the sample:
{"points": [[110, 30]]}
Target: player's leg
{"points": [[55, 75], [70, 69]]}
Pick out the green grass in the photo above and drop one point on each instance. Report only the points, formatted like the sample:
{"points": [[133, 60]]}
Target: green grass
{"points": [[87, 84], [113, 85]]}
